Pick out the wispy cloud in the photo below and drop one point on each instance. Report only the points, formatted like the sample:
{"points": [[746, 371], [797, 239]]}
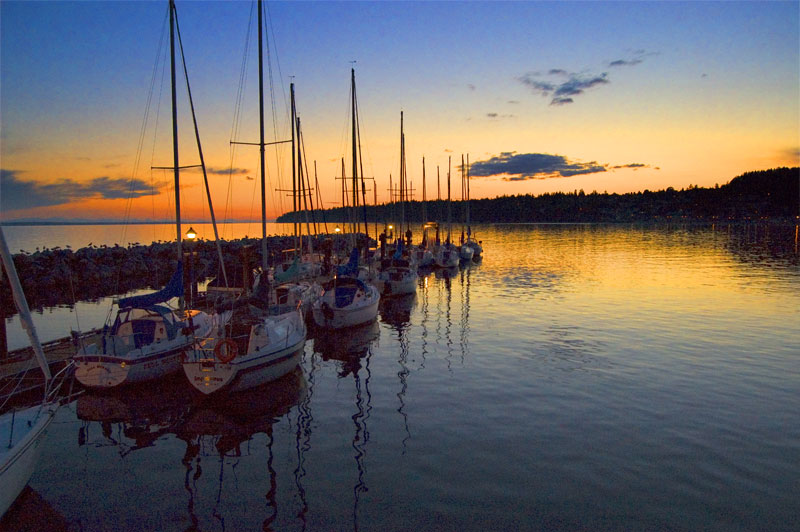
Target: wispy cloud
{"points": [[226, 171], [512, 166], [635, 58], [21, 194], [497, 116], [562, 86], [565, 87]]}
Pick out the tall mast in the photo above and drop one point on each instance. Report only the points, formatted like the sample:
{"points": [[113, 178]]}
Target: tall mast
{"points": [[402, 175], [295, 173], [449, 211], [175, 165], [355, 151], [469, 230], [261, 144]]}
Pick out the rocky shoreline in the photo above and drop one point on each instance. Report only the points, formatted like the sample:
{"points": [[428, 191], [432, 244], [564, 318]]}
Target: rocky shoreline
{"points": [[57, 276]]}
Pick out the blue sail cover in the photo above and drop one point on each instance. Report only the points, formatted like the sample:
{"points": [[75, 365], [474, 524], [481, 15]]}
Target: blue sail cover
{"points": [[398, 254], [174, 288], [351, 268]]}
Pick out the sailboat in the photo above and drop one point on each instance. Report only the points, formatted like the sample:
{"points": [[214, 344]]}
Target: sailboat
{"points": [[422, 253], [476, 245], [397, 276], [261, 342], [22, 431], [446, 255], [347, 300], [465, 250], [147, 339]]}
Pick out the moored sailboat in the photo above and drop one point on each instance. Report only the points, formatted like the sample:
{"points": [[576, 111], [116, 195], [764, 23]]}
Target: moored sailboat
{"points": [[261, 342], [147, 339], [347, 300], [22, 431]]}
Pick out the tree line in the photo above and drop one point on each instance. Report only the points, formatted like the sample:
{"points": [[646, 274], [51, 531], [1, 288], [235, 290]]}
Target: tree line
{"points": [[767, 194]]}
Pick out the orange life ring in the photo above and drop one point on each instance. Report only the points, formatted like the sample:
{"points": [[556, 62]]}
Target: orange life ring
{"points": [[226, 350]]}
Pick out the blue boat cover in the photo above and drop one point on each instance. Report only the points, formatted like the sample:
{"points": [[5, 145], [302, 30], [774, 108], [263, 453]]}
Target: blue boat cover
{"points": [[398, 254], [174, 288], [351, 268]]}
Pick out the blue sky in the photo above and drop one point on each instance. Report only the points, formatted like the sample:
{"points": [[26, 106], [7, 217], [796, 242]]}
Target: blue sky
{"points": [[639, 94]]}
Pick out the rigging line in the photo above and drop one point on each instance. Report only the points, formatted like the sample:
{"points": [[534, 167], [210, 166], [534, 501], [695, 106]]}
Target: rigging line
{"points": [[278, 152], [308, 198], [236, 124], [200, 152]]}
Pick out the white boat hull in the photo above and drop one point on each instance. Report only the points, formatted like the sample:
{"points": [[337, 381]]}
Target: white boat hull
{"points": [[466, 252], [446, 257], [95, 368], [274, 347], [18, 462], [327, 314], [211, 376]]}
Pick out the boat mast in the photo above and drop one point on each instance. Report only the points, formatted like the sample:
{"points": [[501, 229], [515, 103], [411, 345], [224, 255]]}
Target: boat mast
{"points": [[175, 164], [355, 151], [449, 209], [22, 306], [402, 176], [261, 144], [295, 173], [469, 229]]}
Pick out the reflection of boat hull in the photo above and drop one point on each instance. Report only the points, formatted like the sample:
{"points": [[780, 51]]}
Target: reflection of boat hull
{"points": [[18, 462], [211, 376]]}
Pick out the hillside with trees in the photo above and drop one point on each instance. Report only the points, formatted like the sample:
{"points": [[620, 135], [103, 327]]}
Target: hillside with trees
{"points": [[768, 194]]}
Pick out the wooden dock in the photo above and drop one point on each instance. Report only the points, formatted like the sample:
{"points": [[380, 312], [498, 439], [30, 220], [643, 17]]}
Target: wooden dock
{"points": [[19, 372]]}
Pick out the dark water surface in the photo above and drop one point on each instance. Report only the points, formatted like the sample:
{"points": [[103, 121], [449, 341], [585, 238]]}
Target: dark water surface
{"points": [[578, 378]]}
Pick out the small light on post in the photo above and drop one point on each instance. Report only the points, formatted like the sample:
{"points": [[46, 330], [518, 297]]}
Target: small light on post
{"points": [[337, 230], [191, 235]]}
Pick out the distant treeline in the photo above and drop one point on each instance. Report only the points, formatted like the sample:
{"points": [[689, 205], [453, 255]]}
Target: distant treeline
{"points": [[767, 194]]}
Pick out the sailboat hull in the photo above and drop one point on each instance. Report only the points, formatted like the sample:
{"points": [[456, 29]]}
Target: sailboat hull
{"points": [[210, 376], [18, 462]]}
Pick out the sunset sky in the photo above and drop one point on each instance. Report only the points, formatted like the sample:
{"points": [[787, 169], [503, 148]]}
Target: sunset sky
{"points": [[543, 96]]}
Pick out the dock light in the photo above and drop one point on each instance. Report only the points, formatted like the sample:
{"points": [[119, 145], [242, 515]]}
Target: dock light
{"points": [[391, 227], [337, 229], [191, 235]]}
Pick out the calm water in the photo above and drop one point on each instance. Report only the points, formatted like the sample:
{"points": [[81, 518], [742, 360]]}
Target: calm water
{"points": [[578, 378]]}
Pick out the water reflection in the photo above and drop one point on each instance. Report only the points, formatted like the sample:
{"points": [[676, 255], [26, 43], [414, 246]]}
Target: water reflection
{"points": [[223, 429], [135, 417], [347, 346]]}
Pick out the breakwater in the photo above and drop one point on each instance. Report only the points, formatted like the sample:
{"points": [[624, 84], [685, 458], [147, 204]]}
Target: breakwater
{"points": [[57, 276]]}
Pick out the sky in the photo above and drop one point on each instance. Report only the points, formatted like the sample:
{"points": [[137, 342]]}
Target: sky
{"points": [[542, 97]]}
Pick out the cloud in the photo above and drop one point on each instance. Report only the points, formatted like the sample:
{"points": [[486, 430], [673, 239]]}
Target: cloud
{"points": [[513, 102], [514, 166], [497, 115], [562, 86], [638, 58], [562, 92], [21, 194], [226, 171], [471, 87]]}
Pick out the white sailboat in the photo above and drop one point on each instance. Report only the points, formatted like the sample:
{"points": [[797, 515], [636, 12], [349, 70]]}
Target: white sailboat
{"points": [[146, 340], [446, 255], [398, 274], [465, 250], [22, 431], [260, 342], [349, 300], [477, 247]]}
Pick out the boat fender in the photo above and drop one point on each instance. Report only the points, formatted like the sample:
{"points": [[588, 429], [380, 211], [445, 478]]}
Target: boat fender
{"points": [[226, 350]]}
